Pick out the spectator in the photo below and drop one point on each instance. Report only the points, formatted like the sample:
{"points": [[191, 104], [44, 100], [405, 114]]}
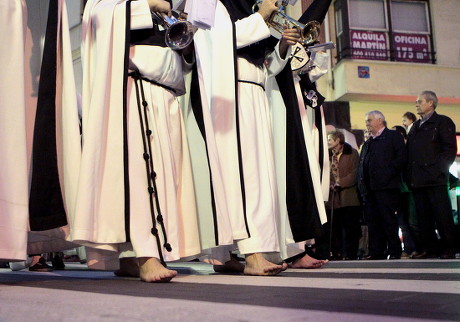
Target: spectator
{"points": [[408, 120], [343, 200], [432, 148], [379, 180]]}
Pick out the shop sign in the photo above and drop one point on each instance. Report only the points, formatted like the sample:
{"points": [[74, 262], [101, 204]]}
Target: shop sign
{"points": [[411, 48], [369, 45]]}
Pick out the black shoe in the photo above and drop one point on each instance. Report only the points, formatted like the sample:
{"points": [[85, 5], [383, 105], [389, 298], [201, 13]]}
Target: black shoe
{"points": [[394, 257], [418, 255], [40, 266], [447, 255], [57, 262], [423, 255], [335, 257], [374, 257]]}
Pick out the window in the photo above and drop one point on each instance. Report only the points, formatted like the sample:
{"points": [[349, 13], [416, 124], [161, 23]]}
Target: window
{"points": [[339, 24], [410, 37], [367, 14], [409, 16], [396, 30]]}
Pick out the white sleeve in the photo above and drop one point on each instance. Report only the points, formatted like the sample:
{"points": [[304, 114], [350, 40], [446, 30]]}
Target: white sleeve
{"points": [[250, 30], [275, 62], [141, 17]]}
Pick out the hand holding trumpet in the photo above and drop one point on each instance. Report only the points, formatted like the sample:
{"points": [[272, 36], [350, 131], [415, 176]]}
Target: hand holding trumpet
{"points": [[266, 8], [289, 37], [160, 6]]}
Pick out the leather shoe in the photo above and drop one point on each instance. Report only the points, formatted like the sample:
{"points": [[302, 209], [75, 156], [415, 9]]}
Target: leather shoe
{"points": [[423, 255], [447, 256], [57, 262], [394, 257], [40, 266], [417, 255], [374, 257], [405, 255]]}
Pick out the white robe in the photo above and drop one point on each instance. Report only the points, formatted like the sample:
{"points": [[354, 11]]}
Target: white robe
{"points": [[260, 182], [214, 59], [23, 28], [214, 52], [100, 214]]}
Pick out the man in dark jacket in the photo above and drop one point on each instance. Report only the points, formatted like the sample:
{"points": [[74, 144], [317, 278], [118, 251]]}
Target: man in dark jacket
{"points": [[381, 162], [431, 150]]}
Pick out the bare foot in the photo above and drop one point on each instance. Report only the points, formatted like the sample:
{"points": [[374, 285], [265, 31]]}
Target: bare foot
{"points": [[231, 266], [129, 267], [152, 271], [256, 264], [307, 262]]}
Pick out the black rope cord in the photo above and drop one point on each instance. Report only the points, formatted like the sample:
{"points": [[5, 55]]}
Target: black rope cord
{"points": [[253, 83], [151, 175]]}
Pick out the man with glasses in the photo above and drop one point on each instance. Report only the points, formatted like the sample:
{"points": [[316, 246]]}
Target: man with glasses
{"points": [[432, 149]]}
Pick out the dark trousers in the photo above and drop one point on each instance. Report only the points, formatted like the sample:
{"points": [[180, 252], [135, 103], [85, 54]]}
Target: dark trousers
{"points": [[405, 217], [381, 215], [346, 231], [433, 211]]}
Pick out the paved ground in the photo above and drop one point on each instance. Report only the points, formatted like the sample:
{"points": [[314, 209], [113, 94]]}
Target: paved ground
{"points": [[402, 290]]}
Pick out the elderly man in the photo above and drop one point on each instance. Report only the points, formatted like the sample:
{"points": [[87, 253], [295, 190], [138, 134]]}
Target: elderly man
{"points": [[382, 160], [431, 150]]}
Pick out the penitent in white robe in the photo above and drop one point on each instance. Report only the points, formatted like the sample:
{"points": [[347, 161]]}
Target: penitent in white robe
{"points": [[113, 180], [216, 75], [258, 157], [23, 25], [215, 156], [288, 247]]}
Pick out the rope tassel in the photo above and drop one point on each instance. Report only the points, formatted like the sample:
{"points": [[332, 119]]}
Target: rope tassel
{"points": [[150, 172]]}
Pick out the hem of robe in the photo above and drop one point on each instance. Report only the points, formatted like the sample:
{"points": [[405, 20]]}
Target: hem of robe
{"points": [[13, 249], [7, 256], [52, 240], [83, 236], [291, 252], [258, 245], [55, 245], [125, 249]]}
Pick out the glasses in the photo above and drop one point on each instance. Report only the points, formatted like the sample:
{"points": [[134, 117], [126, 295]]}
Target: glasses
{"points": [[419, 101]]}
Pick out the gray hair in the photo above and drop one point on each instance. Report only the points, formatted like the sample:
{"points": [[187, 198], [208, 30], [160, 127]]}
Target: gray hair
{"points": [[377, 115], [336, 134], [430, 96]]}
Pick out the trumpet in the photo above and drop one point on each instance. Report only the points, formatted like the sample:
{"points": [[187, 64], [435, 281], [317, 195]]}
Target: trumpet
{"points": [[278, 20], [179, 33]]}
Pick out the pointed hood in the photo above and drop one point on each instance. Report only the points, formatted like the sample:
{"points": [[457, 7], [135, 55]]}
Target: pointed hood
{"points": [[316, 11]]}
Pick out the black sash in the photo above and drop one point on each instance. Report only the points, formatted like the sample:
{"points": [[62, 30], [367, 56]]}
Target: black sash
{"points": [[46, 206], [301, 204]]}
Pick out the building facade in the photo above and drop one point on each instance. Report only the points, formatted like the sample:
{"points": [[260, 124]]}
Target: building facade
{"points": [[387, 52]]}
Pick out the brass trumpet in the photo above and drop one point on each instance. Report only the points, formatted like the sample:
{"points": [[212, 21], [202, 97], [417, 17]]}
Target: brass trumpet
{"points": [[278, 20], [179, 33]]}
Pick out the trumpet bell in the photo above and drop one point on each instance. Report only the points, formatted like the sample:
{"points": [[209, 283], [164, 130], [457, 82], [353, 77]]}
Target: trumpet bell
{"points": [[310, 32], [179, 35]]}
